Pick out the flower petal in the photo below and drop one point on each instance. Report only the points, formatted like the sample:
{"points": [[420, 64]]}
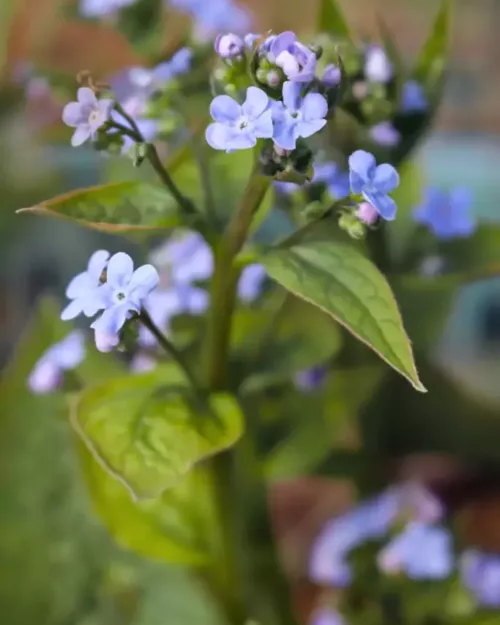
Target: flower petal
{"points": [[255, 103], [263, 127], [240, 140], [81, 134], [79, 286], [281, 42], [314, 106], [144, 280], [105, 107], [72, 114], [225, 110], [386, 178], [362, 163], [217, 136], [69, 352], [86, 96], [72, 310], [45, 377], [105, 342], [96, 265], [291, 95], [120, 270], [285, 135], [308, 128], [384, 204], [250, 283], [111, 321]]}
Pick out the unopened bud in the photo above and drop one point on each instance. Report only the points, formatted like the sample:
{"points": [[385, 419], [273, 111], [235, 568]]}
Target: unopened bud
{"points": [[229, 46]]}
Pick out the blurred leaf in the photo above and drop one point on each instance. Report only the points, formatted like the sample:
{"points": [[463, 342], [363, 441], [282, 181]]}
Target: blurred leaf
{"points": [[173, 528], [393, 54], [114, 208], [143, 430], [431, 62], [7, 12], [331, 20], [297, 337], [345, 284]]}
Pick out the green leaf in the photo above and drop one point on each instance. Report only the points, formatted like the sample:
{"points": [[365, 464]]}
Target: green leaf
{"points": [[431, 62], [342, 282], [175, 528], [146, 433], [331, 20], [114, 208]]}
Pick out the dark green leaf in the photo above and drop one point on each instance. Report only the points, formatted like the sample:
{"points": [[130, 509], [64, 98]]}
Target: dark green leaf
{"points": [[114, 208], [342, 282], [431, 62], [331, 20], [143, 430], [173, 528]]}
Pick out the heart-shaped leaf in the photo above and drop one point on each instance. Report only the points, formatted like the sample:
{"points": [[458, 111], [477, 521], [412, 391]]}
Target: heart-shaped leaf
{"points": [[145, 431], [114, 208], [341, 281]]}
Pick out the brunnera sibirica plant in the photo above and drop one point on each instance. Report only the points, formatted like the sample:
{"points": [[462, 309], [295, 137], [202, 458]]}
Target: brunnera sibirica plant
{"points": [[274, 190]]}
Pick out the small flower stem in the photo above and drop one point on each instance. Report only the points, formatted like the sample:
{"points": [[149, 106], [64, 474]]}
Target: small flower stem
{"points": [[152, 156], [170, 348]]}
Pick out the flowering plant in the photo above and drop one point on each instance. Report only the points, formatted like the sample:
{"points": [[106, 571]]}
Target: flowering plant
{"points": [[282, 231]]}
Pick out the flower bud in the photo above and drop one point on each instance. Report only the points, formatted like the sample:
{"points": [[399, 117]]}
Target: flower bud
{"points": [[229, 46], [332, 75], [273, 78], [367, 213]]}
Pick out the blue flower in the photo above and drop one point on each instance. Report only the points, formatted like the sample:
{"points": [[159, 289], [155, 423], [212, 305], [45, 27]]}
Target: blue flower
{"points": [[146, 81], [297, 61], [310, 379], [296, 116], [123, 292], [188, 258], [480, 574], [63, 356], [413, 99], [385, 134], [214, 16], [374, 183], [422, 551], [86, 115], [326, 616], [331, 75], [336, 180], [237, 127], [447, 214], [378, 68], [250, 283], [229, 45], [101, 8], [84, 289]]}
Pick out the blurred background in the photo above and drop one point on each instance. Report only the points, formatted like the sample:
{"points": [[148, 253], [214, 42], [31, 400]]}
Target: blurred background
{"points": [[58, 565]]}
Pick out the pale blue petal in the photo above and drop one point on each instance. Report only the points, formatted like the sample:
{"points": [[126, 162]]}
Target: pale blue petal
{"points": [[79, 286], [256, 103], [45, 377], [144, 278], [308, 128], [120, 270], [105, 342], [197, 301], [356, 182], [285, 135], [72, 114], [97, 299], [250, 283], [81, 134], [217, 136], [240, 140], [386, 178], [69, 352], [72, 310], [384, 204], [111, 321], [291, 95], [263, 127], [314, 106], [225, 110], [362, 163], [96, 265], [87, 97]]}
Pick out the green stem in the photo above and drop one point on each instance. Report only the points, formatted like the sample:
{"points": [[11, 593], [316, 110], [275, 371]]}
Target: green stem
{"points": [[170, 348]]}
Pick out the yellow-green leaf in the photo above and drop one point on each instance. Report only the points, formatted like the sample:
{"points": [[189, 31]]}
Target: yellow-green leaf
{"points": [[431, 62], [331, 20], [144, 430], [114, 208], [341, 281]]}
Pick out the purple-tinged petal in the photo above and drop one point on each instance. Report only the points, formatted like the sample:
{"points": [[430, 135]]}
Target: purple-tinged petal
{"points": [[332, 75], [285, 135], [306, 129], [384, 204], [367, 213], [240, 140], [69, 352], [96, 265], [86, 97], [280, 43], [363, 164], [120, 270], [288, 63], [105, 106], [144, 280], [45, 377], [105, 342], [72, 310], [224, 109], [385, 134], [263, 127], [326, 616], [217, 136], [256, 103], [79, 286], [112, 319], [291, 95], [142, 363], [314, 106], [72, 114], [81, 134], [386, 178]]}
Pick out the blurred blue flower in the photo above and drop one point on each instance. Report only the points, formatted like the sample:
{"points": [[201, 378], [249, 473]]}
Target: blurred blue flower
{"points": [[421, 551], [250, 282], [215, 16], [237, 127], [86, 115], [146, 80], [413, 99], [297, 61], [124, 291], [229, 45], [326, 616], [480, 574], [335, 179], [385, 134], [331, 75], [104, 341], [374, 183], [84, 288], [67, 354], [378, 68], [101, 8], [296, 116], [310, 379], [188, 258], [447, 214]]}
